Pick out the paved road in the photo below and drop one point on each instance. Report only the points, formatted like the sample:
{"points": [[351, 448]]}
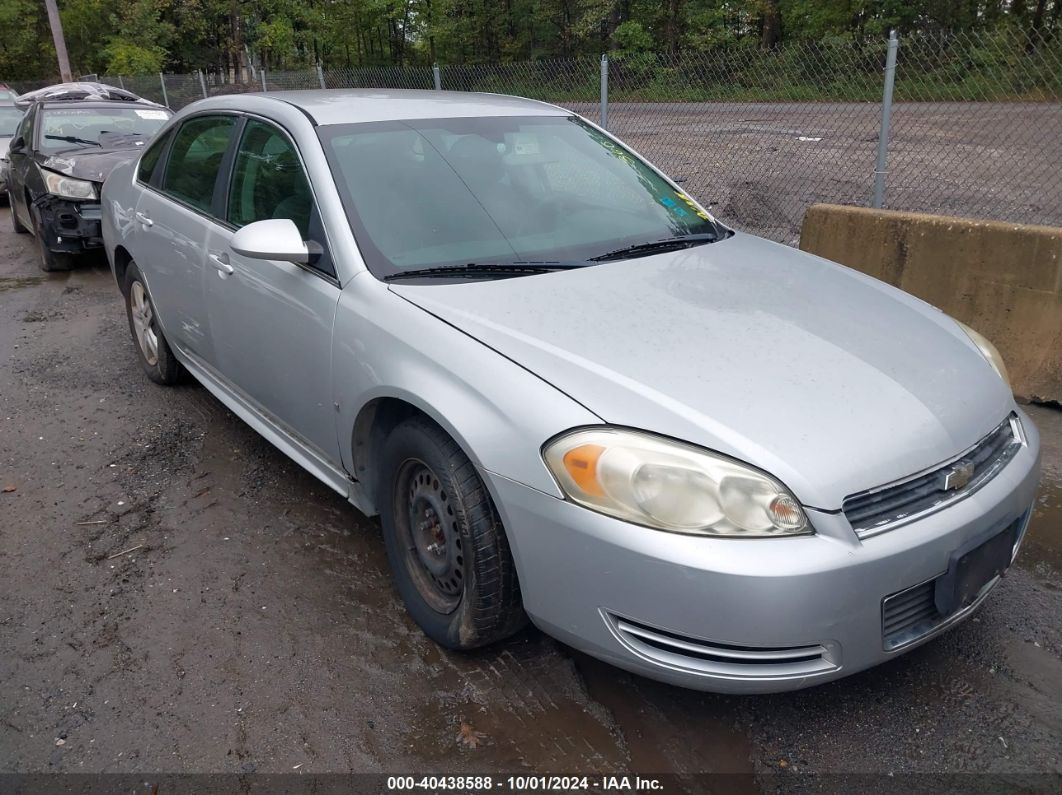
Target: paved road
{"points": [[251, 625]]}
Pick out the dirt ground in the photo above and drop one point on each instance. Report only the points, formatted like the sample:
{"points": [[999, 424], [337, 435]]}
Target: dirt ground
{"points": [[177, 596], [758, 165]]}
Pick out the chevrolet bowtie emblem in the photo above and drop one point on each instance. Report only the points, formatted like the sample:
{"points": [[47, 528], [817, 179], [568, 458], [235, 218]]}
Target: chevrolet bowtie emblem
{"points": [[958, 476]]}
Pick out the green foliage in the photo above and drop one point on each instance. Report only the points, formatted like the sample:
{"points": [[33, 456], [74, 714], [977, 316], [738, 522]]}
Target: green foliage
{"points": [[219, 35], [631, 38], [123, 58]]}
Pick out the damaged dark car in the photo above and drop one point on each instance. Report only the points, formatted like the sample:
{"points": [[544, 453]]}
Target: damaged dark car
{"points": [[60, 155]]}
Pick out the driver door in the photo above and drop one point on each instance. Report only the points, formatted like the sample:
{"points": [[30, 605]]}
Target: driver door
{"points": [[18, 163], [271, 322]]}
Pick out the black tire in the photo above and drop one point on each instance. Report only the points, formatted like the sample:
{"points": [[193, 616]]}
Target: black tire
{"points": [[165, 369], [50, 261], [15, 223], [475, 600]]}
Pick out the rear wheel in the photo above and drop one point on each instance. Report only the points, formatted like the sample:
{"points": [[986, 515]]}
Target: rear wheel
{"points": [[152, 349], [445, 541]]}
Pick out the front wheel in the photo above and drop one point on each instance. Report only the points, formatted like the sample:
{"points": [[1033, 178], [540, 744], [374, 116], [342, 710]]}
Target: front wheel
{"points": [[445, 541], [152, 349], [50, 260], [16, 224]]}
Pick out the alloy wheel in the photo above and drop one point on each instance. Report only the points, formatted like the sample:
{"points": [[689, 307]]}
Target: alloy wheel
{"points": [[144, 323]]}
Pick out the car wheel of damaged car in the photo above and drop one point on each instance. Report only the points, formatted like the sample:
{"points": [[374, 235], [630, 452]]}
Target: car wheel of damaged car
{"points": [[152, 349], [445, 541], [15, 223], [51, 261]]}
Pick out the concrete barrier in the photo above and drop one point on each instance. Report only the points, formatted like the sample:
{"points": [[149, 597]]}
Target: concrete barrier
{"points": [[1005, 280]]}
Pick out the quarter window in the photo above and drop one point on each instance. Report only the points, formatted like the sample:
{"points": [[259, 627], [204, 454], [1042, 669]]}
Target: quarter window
{"points": [[268, 180], [150, 160], [195, 160]]}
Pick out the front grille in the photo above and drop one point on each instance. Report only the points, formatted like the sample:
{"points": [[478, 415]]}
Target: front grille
{"points": [[910, 614], [724, 659], [880, 509]]}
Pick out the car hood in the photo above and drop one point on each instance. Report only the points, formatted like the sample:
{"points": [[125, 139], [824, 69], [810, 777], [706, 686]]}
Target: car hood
{"points": [[94, 165], [830, 380]]}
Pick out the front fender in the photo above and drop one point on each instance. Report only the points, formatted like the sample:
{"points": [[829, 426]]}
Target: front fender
{"points": [[499, 412]]}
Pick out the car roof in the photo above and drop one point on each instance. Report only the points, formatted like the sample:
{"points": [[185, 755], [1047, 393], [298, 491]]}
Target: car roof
{"points": [[348, 106]]}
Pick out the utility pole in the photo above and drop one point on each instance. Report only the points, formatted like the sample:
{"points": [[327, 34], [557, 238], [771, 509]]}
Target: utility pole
{"points": [[60, 42]]}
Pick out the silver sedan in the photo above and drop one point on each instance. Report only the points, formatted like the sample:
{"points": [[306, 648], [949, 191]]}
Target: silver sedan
{"points": [[569, 392]]}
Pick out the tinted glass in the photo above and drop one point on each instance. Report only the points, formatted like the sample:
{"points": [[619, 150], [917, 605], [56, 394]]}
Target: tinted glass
{"points": [[150, 160], [268, 180], [9, 119], [504, 190], [195, 158], [63, 129]]}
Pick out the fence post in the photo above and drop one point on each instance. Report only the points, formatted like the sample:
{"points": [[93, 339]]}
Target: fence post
{"points": [[880, 170], [604, 91], [436, 76], [262, 72], [162, 82], [320, 75], [121, 84], [202, 82]]}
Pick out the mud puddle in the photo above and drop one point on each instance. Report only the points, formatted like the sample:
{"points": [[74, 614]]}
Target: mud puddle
{"points": [[1041, 551]]}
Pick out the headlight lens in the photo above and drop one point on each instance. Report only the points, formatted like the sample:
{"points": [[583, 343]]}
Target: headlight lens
{"points": [[988, 350], [665, 485], [68, 187]]}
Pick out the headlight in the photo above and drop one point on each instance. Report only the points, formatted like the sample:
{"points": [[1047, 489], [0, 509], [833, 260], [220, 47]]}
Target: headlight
{"points": [[988, 350], [665, 485], [68, 187]]}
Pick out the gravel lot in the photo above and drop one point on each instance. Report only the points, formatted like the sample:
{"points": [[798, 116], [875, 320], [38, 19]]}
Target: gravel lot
{"points": [[760, 164], [177, 596]]}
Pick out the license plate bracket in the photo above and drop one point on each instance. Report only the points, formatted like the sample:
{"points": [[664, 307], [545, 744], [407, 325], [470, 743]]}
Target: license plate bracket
{"points": [[972, 566]]}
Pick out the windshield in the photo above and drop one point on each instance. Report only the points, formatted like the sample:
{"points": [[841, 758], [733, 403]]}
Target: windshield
{"points": [[9, 119], [63, 129], [498, 190]]}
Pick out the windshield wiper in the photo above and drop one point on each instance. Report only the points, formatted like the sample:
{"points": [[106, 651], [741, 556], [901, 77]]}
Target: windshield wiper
{"points": [[485, 269], [657, 246], [72, 139]]}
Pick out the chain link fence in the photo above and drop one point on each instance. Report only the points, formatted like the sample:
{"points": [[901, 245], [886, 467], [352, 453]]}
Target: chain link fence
{"points": [[759, 135]]}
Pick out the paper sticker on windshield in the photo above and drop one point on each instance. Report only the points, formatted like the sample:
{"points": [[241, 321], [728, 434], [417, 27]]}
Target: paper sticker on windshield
{"points": [[525, 145], [152, 114]]}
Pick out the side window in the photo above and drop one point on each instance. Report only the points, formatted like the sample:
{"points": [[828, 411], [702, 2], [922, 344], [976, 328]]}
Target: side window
{"points": [[195, 158], [268, 180], [149, 161], [25, 128]]}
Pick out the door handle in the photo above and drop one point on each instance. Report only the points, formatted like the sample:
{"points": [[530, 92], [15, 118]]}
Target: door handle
{"points": [[221, 263], [143, 219]]}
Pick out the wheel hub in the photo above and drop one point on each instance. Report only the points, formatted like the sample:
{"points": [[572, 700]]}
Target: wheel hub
{"points": [[432, 538]]}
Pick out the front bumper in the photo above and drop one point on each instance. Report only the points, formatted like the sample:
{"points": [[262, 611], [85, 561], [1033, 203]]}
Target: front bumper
{"points": [[69, 227], [741, 615]]}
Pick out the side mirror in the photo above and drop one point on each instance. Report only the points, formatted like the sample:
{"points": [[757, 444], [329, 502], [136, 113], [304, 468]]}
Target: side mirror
{"points": [[17, 145], [276, 239]]}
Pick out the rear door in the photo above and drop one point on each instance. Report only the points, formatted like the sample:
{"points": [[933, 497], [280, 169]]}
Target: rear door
{"points": [[172, 220], [271, 322]]}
